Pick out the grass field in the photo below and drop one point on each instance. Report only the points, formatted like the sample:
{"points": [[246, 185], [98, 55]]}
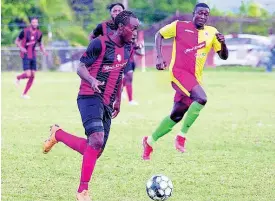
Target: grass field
{"points": [[230, 150]]}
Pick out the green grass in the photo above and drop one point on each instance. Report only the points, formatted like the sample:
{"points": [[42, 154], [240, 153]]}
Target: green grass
{"points": [[230, 149]]}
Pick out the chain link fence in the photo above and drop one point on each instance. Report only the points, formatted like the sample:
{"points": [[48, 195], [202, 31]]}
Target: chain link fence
{"points": [[64, 58], [60, 59]]}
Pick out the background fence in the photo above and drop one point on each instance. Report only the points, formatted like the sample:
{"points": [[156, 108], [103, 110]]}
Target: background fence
{"points": [[67, 58]]}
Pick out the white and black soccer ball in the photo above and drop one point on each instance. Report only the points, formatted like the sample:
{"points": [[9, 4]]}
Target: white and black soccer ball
{"points": [[159, 187]]}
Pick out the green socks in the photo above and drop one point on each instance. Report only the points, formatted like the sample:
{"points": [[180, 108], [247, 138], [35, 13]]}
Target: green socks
{"points": [[167, 124], [165, 127], [191, 116]]}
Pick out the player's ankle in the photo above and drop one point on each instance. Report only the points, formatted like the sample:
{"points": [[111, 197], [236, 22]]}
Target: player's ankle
{"points": [[182, 133], [150, 141]]}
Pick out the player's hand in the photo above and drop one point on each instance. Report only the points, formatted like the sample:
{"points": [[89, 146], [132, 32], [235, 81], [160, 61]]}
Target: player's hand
{"points": [[139, 46], [161, 64], [23, 50], [220, 38], [116, 109], [95, 85]]}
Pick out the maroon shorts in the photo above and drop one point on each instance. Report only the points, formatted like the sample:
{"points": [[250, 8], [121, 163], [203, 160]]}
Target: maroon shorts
{"points": [[183, 83]]}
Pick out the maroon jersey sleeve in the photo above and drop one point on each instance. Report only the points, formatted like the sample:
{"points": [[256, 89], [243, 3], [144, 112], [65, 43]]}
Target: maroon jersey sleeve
{"points": [[39, 39], [92, 53], [98, 31], [21, 35]]}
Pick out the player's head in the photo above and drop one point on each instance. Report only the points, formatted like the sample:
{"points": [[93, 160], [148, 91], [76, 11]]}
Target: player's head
{"points": [[127, 24], [200, 14], [34, 22], [115, 9]]}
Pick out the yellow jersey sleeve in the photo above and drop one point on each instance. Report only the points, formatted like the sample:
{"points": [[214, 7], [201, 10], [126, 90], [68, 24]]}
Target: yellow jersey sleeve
{"points": [[169, 31], [216, 44]]}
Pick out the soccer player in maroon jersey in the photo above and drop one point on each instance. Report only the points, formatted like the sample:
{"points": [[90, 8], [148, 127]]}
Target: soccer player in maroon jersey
{"points": [[107, 27], [192, 42], [26, 41], [101, 68], [129, 71]]}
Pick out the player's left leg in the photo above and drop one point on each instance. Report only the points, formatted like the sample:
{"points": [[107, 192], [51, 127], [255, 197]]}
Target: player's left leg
{"points": [[128, 82], [107, 119], [29, 83], [190, 88], [31, 77], [199, 99]]}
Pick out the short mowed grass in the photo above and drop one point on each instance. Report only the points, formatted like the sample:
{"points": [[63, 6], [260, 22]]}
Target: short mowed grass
{"points": [[230, 149]]}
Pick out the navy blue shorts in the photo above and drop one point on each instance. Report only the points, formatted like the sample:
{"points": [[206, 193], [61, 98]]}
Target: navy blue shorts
{"points": [[130, 67], [96, 117], [29, 64]]}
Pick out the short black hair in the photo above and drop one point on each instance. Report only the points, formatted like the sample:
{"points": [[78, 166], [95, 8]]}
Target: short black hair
{"points": [[110, 7], [124, 17], [32, 18], [201, 5]]}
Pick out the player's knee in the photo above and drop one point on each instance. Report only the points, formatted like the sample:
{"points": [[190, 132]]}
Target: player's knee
{"points": [[176, 117], [202, 100], [95, 131], [129, 77], [96, 140], [29, 74]]}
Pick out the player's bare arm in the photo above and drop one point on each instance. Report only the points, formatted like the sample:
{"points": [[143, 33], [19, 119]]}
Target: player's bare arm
{"points": [[42, 49], [84, 74], [18, 44], [160, 63], [223, 53]]}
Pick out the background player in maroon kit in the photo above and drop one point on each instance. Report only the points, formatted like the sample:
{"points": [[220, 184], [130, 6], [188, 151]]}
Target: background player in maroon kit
{"points": [[101, 69], [108, 26], [26, 41], [128, 73]]}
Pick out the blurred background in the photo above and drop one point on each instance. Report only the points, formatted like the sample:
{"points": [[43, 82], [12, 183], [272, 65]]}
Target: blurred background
{"points": [[66, 25]]}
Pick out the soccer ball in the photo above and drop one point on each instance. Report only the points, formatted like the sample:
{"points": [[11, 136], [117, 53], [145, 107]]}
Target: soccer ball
{"points": [[159, 187]]}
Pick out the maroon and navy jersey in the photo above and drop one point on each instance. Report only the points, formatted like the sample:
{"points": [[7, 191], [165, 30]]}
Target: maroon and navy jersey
{"points": [[105, 61], [29, 38], [104, 28]]}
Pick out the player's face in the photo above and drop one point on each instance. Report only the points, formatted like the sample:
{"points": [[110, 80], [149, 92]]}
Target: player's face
{"points": [[34, 23], [200, 16], [115, 11], [129, 32]]}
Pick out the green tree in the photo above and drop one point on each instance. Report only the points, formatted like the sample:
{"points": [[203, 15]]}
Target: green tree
{"points": [[255, 10], [63, 22]]}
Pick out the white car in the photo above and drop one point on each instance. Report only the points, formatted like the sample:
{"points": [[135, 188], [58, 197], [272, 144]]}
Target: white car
{"points": [[245, 50]]}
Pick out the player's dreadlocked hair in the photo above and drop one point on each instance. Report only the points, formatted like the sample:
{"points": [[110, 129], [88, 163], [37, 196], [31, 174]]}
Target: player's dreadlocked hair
{"points": [[203, 5], [124, 18]]}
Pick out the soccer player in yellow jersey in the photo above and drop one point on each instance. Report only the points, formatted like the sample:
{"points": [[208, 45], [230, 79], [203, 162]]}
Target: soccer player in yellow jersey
{"points": [[192, 42]]}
